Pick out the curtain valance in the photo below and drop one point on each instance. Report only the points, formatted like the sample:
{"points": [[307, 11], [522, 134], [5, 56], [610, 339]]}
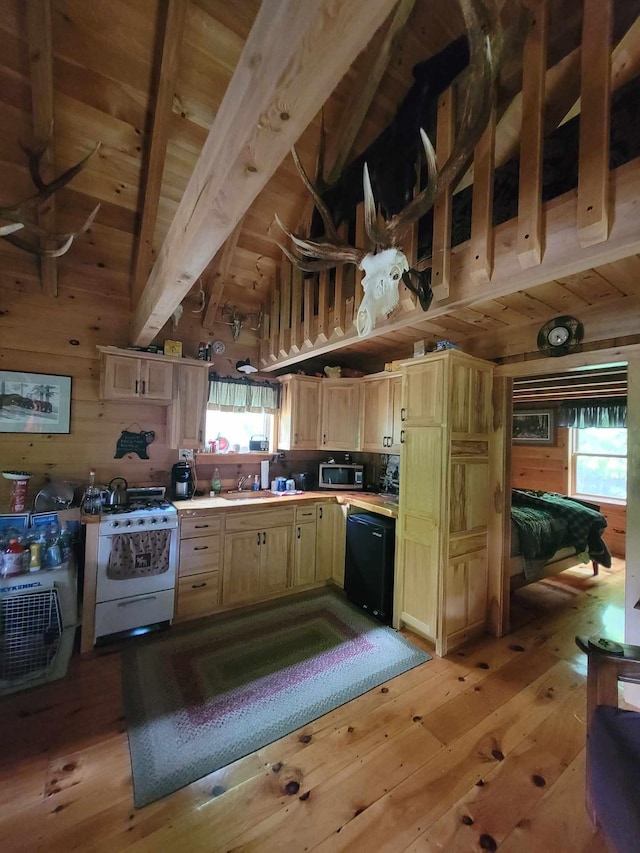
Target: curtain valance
{"points": [[228, 394], [584, 415]]}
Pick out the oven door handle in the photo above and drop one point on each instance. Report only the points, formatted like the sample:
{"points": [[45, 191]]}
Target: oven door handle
{"points": [[137, 600]]}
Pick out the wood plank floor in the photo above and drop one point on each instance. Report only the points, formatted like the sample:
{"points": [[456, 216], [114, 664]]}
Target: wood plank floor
{"points": [[482, 750]]}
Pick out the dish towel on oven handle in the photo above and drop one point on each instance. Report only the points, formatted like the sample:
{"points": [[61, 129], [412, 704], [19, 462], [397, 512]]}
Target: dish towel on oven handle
{"points": [[139, 555]]}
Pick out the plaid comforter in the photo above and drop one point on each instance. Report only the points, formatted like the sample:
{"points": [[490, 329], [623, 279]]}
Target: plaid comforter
{"points": [[547, 521]]}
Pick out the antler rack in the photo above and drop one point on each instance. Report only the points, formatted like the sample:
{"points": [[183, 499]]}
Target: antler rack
{"points": [[21, 214], [384, 269]]}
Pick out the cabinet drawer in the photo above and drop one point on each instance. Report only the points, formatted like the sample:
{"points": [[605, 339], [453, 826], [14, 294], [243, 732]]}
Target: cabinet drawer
{"points": [[199, 554], [237, 521], [200, 525], [305, 513], [198, 596]]}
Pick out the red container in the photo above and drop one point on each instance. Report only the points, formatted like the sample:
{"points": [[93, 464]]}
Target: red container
{"points": [[19, 495]]}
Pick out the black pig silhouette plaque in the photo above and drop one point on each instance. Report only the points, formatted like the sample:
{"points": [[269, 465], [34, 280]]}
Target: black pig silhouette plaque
{"points": [[134, 442]]}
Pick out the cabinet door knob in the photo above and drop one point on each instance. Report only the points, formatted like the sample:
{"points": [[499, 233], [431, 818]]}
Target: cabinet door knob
{"points": [[258, 537], [137, 384], [201, 548], [298, 532], [295, 438], [401, 436], [198, 526], [324, 438], [320, 511], [198, 585], [143, 386], [403, 414], [264, 537]]}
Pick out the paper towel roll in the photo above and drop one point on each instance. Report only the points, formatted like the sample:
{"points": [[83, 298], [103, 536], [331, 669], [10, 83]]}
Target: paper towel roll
{"points": [[264, 474]]}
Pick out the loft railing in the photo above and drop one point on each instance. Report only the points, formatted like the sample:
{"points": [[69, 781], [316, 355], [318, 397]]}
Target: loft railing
{"points": [[314, 314]]}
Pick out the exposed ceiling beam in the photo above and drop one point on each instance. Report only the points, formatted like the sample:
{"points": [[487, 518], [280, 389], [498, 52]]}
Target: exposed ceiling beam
{"points": [[218, 275], [41, 67], [282, 79], [152, 180]]}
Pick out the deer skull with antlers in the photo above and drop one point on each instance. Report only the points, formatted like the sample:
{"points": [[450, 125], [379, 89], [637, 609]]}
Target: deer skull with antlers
{"points": [[21, 213], [385, 268]]}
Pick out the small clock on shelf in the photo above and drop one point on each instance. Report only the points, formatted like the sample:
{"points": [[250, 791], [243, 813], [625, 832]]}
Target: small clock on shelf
{"points": [[560, 336], [218, 347]]}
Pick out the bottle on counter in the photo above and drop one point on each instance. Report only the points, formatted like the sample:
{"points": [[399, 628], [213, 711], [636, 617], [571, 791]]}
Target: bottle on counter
{"points": [[34, 561], [65, 544], [256, 483], [12, 559], [216, 482]]}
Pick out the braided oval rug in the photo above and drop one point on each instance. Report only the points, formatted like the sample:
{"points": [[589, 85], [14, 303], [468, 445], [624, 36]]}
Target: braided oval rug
{"points": [[198, 699]]}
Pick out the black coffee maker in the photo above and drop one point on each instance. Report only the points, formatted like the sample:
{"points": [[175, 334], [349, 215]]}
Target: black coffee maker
{"points": [[182, 485]]}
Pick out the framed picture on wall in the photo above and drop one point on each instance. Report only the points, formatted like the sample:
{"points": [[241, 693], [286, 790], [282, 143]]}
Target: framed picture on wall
{"points": [[536, 427], [34, 402]]}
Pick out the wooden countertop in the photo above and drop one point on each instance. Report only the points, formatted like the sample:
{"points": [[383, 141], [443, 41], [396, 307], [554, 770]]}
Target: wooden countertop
{"points": [[253, 500]]}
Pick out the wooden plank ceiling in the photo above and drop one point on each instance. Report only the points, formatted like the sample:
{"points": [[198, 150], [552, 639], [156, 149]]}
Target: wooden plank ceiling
{"points": [[148, 80]]}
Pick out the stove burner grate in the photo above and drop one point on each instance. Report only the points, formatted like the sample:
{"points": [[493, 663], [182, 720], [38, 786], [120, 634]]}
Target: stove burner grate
{"points": [[147, 504]]}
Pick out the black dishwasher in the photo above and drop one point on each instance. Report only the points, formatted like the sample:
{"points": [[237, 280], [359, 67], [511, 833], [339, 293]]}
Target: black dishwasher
{"points": [[369, 559]]}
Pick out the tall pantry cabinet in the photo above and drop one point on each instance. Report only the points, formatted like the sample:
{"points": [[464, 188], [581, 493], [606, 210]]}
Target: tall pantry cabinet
{"points": [[441, 579]]}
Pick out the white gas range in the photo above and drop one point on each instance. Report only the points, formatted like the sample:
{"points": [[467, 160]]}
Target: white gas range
{"points": [[137, 564]]}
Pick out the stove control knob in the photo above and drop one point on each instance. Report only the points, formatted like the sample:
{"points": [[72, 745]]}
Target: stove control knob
{"points": [[141, 521], [127, 524], [154, 521], [115, 524]]}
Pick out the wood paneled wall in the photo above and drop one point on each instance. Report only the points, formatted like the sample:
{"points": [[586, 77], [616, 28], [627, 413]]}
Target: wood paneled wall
{"points": [[544, 468], [547, 468], [40, 334]]}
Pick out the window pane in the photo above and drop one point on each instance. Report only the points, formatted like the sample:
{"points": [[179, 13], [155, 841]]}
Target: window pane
{"points": [[596, 440], [601, 476], [238, 427]]}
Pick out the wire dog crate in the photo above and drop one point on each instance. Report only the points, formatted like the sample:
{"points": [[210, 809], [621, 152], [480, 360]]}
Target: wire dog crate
{"points": [[38, 615], [31, 629]]}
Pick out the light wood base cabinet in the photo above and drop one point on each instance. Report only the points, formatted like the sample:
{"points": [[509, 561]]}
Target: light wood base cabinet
{"points": [[304, 545], [198, 595], [441, 579], [199, 569], [331, 536], [257, 554]]}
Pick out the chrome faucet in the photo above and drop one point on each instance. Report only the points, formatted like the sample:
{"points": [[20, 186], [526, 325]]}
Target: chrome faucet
{"points": [[242, 481]]}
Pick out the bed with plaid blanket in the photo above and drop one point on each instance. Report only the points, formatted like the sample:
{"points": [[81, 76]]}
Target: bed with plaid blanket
{"points": [[547, 522]]}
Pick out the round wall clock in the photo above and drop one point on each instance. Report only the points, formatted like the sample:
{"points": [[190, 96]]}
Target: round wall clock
{"points": [[560, 336], [218, 347]]}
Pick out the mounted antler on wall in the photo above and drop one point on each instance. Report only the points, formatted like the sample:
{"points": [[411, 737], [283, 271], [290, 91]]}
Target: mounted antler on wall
{"points": [[22, 213], [237, 320], [385, 268]]}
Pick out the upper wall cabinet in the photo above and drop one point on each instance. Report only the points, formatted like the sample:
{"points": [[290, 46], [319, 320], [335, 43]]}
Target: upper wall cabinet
{"points": [[186, 419], [340, 420], [299, 413], [131, 376], [381, 409]]}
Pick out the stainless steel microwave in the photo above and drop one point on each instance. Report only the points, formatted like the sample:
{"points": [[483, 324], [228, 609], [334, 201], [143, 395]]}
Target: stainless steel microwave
{"points": [[332, 475]]}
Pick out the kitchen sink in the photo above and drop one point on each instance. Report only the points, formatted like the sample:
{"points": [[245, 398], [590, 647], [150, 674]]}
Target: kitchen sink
{"points": [[246, 495]]}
